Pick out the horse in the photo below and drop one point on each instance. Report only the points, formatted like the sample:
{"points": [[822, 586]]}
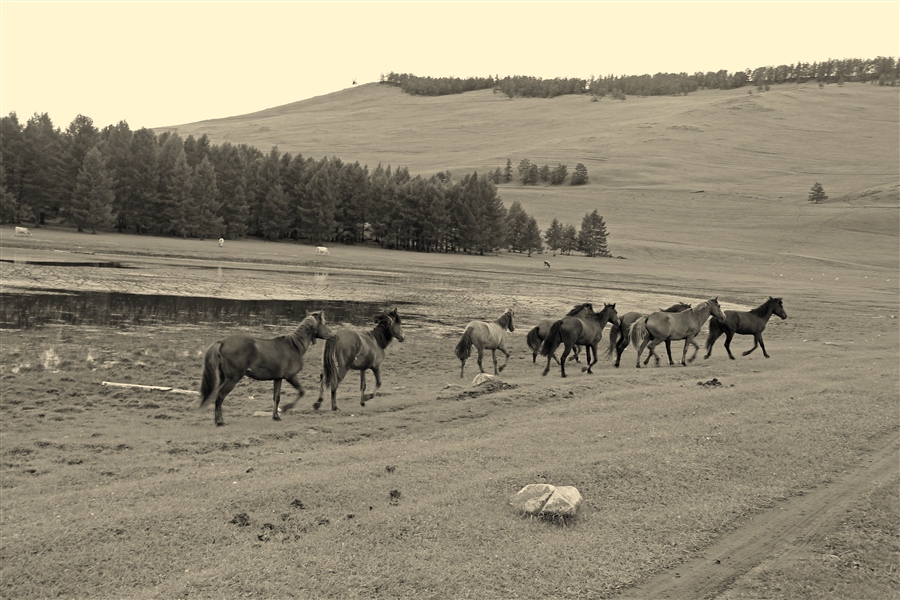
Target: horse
{"points": [[227, 361], [538, 334], [745, 323], [585, 330], [620, 332], [547, 263], [485, 336], [23, 231], [358, 351], [661, 326], [321, 251]]}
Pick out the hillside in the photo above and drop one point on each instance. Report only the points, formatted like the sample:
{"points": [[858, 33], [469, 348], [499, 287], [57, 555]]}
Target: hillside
{"points": [[730, 167], [765, 143]]}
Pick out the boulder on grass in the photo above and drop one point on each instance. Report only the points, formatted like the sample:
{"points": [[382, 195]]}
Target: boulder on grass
{"points": [[545, 500]]}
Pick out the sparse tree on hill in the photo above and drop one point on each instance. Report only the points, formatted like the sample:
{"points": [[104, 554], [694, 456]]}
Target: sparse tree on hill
{"points": [[817, 194], [507, 172], [580, 176], [559, 174], [544, 173], [593, 234], [569, 240], [554, 235]]}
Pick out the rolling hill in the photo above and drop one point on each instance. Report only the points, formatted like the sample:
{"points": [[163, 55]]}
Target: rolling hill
{"points": [[732, 166]]}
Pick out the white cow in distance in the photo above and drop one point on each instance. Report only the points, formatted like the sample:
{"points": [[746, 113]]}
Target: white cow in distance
{"points": [[321, 251], [22, 231]]}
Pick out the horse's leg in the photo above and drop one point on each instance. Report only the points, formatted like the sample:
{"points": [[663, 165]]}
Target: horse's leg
{"points": [[711, 340], [480, 357], [547, 368], [651, 346], [590, 363], [757, 341], [224, 390], [462, 367], [503, 349], [362, 388], [728, 336], [494, 358], [376, 371], [669, 352], [575, 355], [691, 341], [562, 359], [294, 381], [276, 398], [318, 402]]}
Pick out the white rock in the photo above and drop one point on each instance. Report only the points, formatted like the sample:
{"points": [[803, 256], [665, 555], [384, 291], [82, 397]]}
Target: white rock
{"points": [[543, 499]]}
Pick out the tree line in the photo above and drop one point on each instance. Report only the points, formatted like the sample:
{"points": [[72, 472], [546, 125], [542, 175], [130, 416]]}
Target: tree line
{"points": [[880, 70], [141, 182]]}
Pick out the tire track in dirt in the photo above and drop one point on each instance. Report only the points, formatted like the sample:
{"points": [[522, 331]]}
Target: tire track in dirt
{"points": [[791, 527]]}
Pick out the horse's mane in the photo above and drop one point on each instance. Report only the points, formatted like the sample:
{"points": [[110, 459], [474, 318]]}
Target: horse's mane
{"points": [[598, 316], [762, 309], [382, 331], [305, 334], [504, 319], [579, 307]]}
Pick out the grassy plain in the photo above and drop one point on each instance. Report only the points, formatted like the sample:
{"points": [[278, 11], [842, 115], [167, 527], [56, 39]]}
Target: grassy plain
{"points": [[117, 492]]}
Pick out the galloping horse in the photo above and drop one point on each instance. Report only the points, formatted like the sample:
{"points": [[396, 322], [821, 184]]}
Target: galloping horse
{"points": [[661, 326], [538, 334], [349, 349], [227, 361], [746, 323], [620, 332], [485, 336], [584, 330]]}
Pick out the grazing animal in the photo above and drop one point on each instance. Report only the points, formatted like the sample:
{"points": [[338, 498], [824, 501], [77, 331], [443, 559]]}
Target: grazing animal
{"points": [[745, 323], [485, 336], [547, 264], [321, 251], [620, 332], [661, 326], [227, 361], [583, 330], [221, 242], [535, 338], [358, 351], [22, 231]]}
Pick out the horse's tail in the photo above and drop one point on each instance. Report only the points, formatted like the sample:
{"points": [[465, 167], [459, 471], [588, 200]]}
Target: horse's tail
{"points": [[551, 342], [639, 332], [715, 330], [330, 367], [209, 382], [534, 340], [464, 347], [614, 330]]}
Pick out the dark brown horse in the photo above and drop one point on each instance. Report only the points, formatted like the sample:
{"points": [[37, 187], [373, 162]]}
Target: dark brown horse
{"points": [[745, 323], [227, 361], [485, 336], [358, 351], [620, 332], [584, 330], [538, 334], [661, 326]]}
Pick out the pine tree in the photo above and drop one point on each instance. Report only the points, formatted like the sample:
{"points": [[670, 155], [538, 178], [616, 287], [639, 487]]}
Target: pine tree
{"points": [[516, 224], [205, 221], [580, 176], [554, 235], [179, 200], [559, 175], [92, 198], [532, 237], [817, 194], [507, 172], [593, 235], [569, 240]]}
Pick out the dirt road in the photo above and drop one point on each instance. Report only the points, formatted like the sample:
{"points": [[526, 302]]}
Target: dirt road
{"points": [[782, 533]]}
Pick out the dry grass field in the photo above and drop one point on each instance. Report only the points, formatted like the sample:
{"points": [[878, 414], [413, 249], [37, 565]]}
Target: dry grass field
{"points": [[781, 482]]}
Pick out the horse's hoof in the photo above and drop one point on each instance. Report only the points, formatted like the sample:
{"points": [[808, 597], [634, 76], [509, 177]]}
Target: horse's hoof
{"points": [[222, 424], [275, 417], [583, 369], [335, 408]]}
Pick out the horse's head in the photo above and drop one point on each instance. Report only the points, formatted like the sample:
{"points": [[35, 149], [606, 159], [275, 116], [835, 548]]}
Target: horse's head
{"points": [[714, 308], [510, 325], [323, 331], [609, 311], [390, 319], [778, 308]]}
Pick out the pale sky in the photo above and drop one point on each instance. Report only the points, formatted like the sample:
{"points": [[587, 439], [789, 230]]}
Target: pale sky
{"points": [[169, 63]]}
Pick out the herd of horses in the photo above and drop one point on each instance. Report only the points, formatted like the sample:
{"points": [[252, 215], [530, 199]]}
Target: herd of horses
{"points": [[229, 360]]}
